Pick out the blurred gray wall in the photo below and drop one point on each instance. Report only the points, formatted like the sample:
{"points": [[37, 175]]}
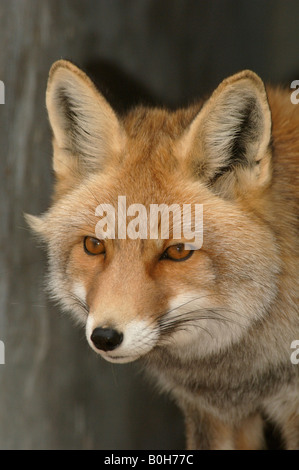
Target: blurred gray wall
{"points": [[55, 393]]}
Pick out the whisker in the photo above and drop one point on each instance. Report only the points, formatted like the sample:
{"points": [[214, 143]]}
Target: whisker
{"points": [[79, 302], [183, 320]]}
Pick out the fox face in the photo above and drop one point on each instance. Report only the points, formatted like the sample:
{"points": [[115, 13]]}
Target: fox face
{"points": [[139, 295]]}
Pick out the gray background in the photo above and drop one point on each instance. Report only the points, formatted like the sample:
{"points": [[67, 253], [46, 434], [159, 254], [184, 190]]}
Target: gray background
{"points": [[55, 393]]}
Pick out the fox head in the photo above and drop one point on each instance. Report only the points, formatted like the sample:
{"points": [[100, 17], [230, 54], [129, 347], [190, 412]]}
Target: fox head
{"points": [[137, 295]]}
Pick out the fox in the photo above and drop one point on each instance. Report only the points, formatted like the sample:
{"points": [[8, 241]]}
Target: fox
{"points": [[212, 326]]}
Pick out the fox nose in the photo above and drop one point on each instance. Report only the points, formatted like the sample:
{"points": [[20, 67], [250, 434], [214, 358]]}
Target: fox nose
{"points": [[106, 339]]}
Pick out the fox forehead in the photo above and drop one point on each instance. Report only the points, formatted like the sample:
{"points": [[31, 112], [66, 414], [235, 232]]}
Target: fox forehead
{"points": [[152, 124], [148, 168], [141, 178], [150, 156]]}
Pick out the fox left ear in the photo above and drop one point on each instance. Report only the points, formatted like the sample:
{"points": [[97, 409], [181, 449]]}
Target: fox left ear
{"points": [[228, 142], [86, 130]]}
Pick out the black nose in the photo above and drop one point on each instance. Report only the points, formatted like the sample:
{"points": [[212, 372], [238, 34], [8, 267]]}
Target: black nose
{"points": [[106, 339]]}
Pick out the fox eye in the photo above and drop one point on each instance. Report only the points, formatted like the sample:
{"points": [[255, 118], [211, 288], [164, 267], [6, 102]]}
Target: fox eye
{"points": [[177, 253], [93, 246]]}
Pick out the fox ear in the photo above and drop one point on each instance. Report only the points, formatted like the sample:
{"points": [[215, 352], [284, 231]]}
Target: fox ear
{"points": [[85, 128], [228, 142]]}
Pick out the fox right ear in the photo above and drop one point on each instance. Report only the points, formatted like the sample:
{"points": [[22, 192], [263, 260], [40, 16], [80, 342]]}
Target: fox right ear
{"points": [[227, 144], [85, 128]]}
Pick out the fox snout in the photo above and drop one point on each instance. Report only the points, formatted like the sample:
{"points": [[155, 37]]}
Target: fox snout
{"points": [[122, 341]]}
